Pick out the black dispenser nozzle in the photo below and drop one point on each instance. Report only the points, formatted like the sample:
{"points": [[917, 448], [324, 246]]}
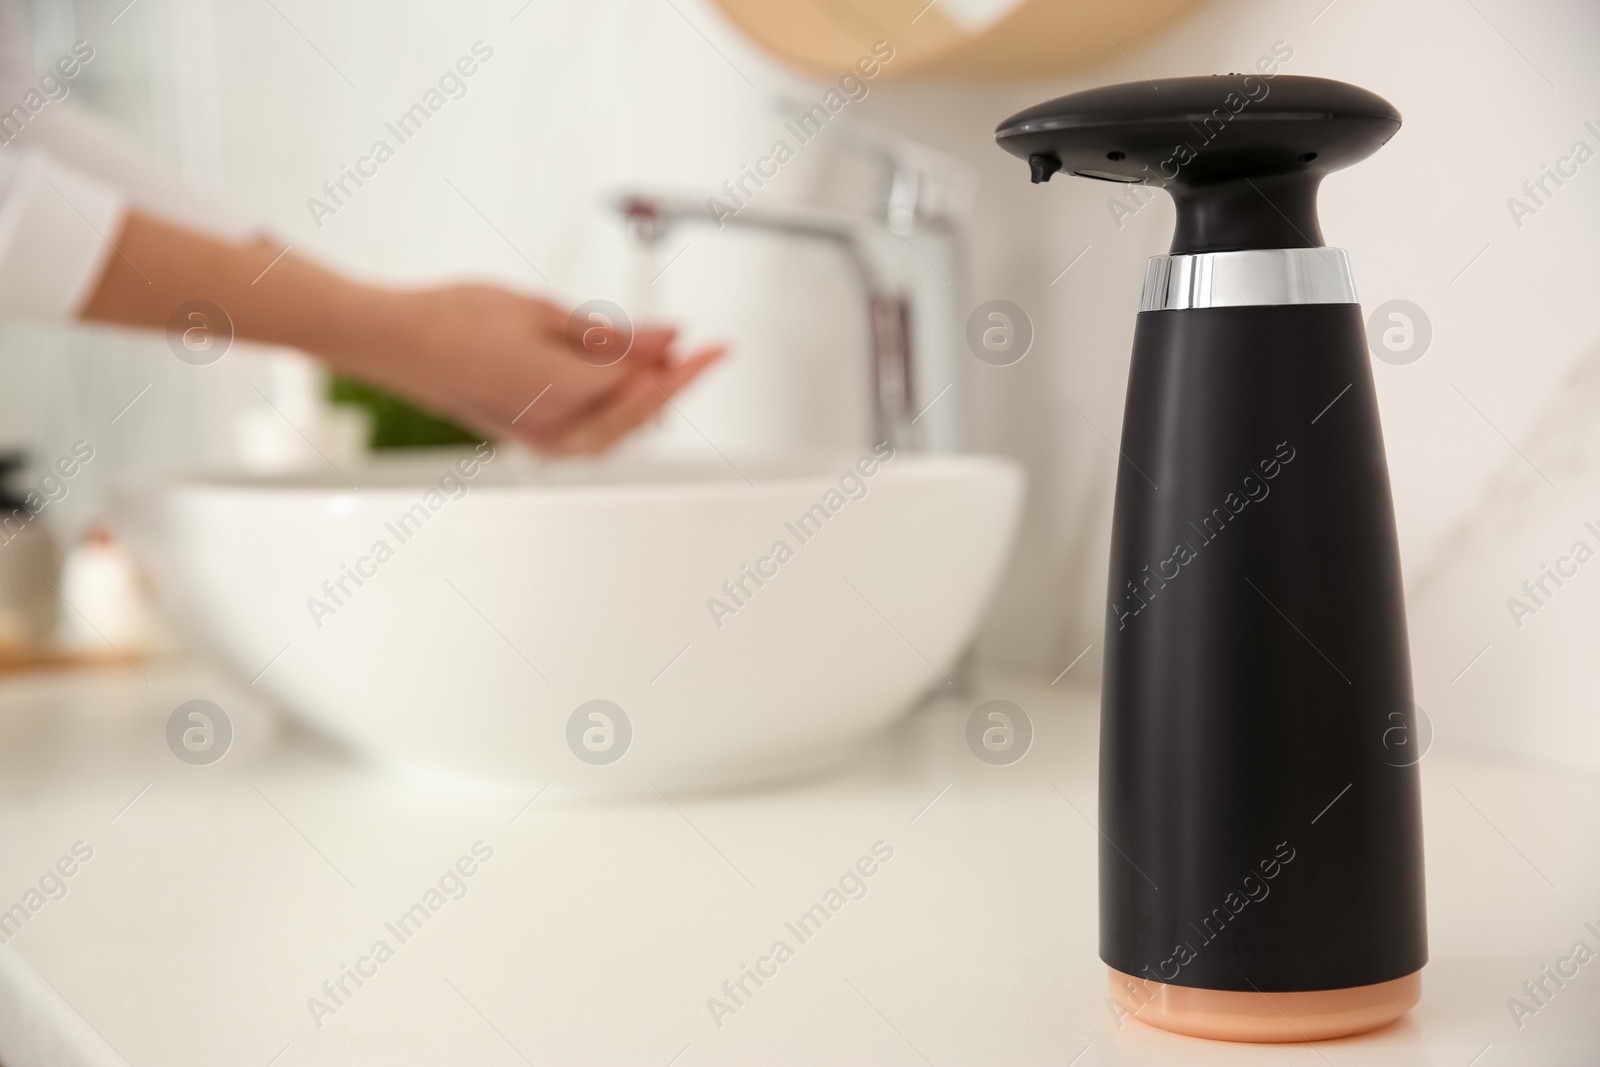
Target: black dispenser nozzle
{"points": [[1043, 166]]}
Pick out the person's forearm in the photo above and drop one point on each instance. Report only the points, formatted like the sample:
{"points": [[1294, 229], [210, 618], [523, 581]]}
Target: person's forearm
{"points": [[158, 267]]}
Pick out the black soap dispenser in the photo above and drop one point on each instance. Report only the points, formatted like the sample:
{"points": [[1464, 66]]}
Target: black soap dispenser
{"points": [[1261, 856]]}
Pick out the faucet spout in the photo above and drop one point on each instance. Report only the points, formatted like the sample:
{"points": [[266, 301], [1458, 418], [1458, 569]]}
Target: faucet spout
{"points": [[890, 373]]}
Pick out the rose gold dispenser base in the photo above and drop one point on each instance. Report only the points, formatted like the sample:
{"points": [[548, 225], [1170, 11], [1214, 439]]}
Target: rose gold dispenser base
{"points": [[1225, 1015]]}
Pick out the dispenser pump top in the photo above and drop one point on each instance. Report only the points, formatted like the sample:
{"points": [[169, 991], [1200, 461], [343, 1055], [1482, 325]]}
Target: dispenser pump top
{"points": [[1241, 154]]}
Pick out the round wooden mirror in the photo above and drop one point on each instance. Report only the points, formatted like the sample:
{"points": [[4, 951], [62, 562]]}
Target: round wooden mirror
{"points": [[981, 40]]}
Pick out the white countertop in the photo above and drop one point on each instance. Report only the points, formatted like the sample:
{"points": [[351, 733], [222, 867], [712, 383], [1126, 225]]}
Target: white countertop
{"points": [[220, 899]]}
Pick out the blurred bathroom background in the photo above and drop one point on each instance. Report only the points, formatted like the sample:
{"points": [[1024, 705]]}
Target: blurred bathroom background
{"points": [[1493, 433]]}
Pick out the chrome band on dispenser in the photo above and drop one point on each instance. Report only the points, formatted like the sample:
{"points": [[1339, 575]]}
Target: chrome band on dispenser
{"points": [[1260, 276]]}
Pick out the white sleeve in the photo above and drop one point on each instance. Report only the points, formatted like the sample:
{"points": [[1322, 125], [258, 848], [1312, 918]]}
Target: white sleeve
{"points": [[86, 141], [57, 225]]}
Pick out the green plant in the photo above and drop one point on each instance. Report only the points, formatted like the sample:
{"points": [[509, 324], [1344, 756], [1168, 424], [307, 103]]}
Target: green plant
{"points": [[397, 423]]}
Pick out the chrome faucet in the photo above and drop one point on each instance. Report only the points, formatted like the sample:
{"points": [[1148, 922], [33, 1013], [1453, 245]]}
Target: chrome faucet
{"points": [[891, 381], [913, 362]]}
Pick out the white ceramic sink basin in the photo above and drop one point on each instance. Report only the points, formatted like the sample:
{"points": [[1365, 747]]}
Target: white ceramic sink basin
{"points": [[496, 598]]}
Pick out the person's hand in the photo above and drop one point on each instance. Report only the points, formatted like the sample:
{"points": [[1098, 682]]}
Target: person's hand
{"points": [[510, 366]]}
